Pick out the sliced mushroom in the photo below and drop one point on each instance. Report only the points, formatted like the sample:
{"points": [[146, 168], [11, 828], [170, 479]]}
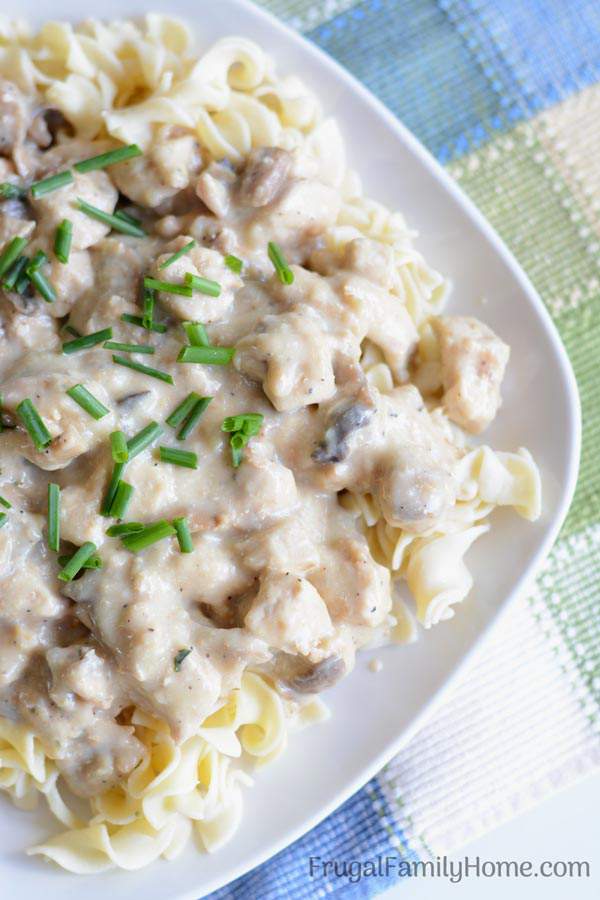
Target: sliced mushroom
{"points": [[129, 401], [319, 676], [334, 446], [264, 176]]}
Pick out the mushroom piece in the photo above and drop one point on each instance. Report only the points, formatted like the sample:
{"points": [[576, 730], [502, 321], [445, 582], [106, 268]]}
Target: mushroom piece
{"points": [[264, 176], [318, 677], [334, 446]]}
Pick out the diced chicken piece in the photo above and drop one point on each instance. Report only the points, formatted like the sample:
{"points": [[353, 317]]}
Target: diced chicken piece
{"points": [[373, 260], [12, 226], [265, 490], [293, 359], [301, 211], [473, 361], [79, 670], [165, 169], [355, 588], [289, 615], [67, 152], [73, 431], [264, 176], [69, 281], [203, 262], [24, 326], [400, 455], [13, 117], [95, 188], [214, 187]]}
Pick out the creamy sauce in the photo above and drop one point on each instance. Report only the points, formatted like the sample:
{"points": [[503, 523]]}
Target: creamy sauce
{"points": [[281, 580]]}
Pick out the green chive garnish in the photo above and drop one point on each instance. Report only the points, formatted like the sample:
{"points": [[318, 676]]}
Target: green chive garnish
{"points": [[10, 254], [120, 214], [87, 341], [183, 535], [93, 562], [150, 535], [128, 348], [46, 185], [182, 411], [77, 561], [87, 401], [72, 331], [179, 658], [10, 191], [148, 316], [143, 439], [247, 423], [234, 263], [117, 223], [237, 442], [54, 517], [138, 320], [111, 490], [118, 447], [22, 282], [196, 334], [121, 500], [168, 287], [204, 285], [62, 241], [39, 281], [185, 458], [108, 159], [213, 356], [3, 519], [15, 272], [32, 421], [5, 503], [177, 255], [124, 528], [192, 419], [284, 273], [145, 370]]}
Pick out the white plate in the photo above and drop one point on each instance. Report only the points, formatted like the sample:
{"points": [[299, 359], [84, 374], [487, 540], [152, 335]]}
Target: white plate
{"points": [[325, 765]]}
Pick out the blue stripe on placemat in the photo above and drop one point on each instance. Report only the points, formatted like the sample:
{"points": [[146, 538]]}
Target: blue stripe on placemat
{"points": [[361, 829]]}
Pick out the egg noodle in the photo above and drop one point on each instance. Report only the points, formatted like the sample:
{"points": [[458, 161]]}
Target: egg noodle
{"points": [[125, 80]]}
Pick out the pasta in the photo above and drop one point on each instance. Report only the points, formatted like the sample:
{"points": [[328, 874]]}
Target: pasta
{"points": [[131, 82]]}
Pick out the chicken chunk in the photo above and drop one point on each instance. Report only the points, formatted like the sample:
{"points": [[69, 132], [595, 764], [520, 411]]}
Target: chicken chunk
{"points": [[354, 587], [13, 117], [215, 187], [162, 172], [95, 188], [473, 361]]}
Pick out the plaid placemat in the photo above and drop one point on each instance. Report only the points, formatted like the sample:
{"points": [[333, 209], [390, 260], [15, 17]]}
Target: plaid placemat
{"points": [[506, 94]]}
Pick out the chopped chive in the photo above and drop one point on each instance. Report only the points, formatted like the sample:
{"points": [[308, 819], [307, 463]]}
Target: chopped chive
{"points": [[179, 658], [87, 401], [234, 263], [150, 535], [121, 500], [182, 411], [185, 458], [32, 421], [284, 273], [108, 159], [37, 260], [111, 490], [3, 519], [77, 561], [15, 272], [248, 423], [47, 185], [10, 191], [145, 370], [118, 447], [87, 341], [120, 214], [117, 223], [22, 283], [177, 255], [183, 535], [138, 320], [72, 331], [204, 285], [193, 418], [53, 517], [5, 503], [237, 442], [149, 301], [124, 528], [143, 439], [93, 562], [62, 241], [196, 334], [38, 280], [168, 287], [128, 348], [10, 254], [213, 356]]}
